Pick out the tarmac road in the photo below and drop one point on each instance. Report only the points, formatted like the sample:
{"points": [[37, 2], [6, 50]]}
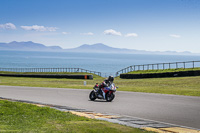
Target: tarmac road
{"points": [[173, 109]]}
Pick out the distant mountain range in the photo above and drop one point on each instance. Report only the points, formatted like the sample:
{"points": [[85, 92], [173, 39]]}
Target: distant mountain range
{"points": [[27, 46], [95, 48]]}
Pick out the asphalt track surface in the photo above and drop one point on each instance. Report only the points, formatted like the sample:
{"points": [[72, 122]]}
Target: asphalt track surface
{"points": [[173, 109]]}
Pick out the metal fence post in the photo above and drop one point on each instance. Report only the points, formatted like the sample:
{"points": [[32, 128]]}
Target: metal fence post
{"points": [[193, 64]]}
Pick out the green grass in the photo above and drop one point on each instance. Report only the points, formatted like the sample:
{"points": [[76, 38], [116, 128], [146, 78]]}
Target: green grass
{"points": [[189, 86], [27, 118], [163, 71], [34, 73]]}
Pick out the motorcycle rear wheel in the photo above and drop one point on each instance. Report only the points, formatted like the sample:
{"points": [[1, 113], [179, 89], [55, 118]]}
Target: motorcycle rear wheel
{"points": [[92, 96], [109, 97]]}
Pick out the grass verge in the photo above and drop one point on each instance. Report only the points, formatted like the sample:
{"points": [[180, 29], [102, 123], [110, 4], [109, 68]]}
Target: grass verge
{"points": [[163, 71], [189, 86], [21, 117]]}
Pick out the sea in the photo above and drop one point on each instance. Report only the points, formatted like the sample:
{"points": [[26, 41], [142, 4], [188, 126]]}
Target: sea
{"points": [[106, 63]]}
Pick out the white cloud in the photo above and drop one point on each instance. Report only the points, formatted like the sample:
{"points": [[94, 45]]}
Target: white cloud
{"points": [[131, 35], [175, 36], [39, 28], [8, 26], [89, 33], [112, 32], [65, 33]]}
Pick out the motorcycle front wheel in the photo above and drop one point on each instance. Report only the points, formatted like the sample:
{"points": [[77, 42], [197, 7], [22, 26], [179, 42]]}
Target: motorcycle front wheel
{"points": [[92, 96], [109, 97]]}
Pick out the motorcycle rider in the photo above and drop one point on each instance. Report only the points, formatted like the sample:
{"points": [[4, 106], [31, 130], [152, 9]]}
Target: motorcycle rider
{"points": [[107, 82]]}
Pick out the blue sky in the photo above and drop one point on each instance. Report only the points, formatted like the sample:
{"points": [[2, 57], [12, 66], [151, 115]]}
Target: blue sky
{"points": [[154, 25]]}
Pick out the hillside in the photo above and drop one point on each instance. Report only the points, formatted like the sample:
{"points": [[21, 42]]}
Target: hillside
{"points": [[102, 48], [94, 48], [27, 46]]}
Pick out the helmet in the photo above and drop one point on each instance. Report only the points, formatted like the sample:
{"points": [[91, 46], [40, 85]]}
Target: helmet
{"points": [[111, 78]]}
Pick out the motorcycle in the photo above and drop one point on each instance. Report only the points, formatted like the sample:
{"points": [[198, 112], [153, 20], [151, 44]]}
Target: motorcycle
{"points": [[106, 93]]}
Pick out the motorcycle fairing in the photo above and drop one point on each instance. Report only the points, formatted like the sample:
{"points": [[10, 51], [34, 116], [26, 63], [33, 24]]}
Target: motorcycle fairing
{"points": [[105, 90]]}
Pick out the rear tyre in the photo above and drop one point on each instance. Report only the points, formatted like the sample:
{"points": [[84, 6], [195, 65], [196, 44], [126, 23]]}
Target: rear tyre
{"points": [[92, 96], [109, 97]]}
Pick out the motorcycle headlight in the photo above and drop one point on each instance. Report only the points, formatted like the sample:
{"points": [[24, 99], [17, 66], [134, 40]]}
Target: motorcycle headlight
{"points": [[113, 88]]}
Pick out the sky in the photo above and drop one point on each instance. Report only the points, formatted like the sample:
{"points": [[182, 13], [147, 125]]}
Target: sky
{"points": [[153, 25]]}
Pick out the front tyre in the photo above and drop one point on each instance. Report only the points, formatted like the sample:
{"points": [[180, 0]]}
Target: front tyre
{"points": [[92, 96], [110, 97]]}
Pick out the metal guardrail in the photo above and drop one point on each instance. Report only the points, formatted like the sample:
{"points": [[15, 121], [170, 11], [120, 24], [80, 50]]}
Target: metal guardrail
{"points": [[160, 66], [156, 66], [49, 70]]}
